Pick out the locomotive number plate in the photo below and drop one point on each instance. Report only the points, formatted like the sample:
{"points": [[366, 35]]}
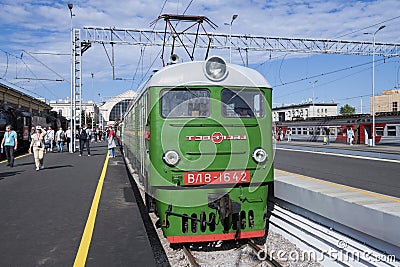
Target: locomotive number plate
{"points": [[226, 177]]}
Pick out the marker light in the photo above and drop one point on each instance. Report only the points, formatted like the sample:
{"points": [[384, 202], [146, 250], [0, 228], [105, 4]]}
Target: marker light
{"points": [[259, 155], [215, 69], [171, 157]]}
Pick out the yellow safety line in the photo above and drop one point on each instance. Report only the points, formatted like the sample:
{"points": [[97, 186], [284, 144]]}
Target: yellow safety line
{"points": [[24, 155], [83, 250], [344, 187]]}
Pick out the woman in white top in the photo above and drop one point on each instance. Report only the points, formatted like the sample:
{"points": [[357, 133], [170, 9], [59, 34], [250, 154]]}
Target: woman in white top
{"points": [[37, 145]]}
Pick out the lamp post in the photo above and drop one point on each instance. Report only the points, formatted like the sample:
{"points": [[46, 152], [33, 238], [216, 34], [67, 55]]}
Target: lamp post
{"points": [[230, 36], [92, 94], [373, 82], [313, 97], [72, 100], [92, 115]]}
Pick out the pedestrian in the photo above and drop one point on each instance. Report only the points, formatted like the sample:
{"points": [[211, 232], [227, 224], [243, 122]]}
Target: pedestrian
{"points": [[68, 136], [289, 135], [33, 130], [60, 139], [50, 138], [38, 147], [106, 132], [111, 142], [9, 144], [100, 134], [350, 136], [84, 140], [327, 135], [97, 136], [280, 134]]}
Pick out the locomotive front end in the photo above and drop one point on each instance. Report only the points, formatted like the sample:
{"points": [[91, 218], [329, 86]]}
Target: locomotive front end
{"points": [[210, 151]]}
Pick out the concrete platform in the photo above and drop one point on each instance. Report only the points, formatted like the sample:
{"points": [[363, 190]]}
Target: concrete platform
{"points": [[43, 214], [366, 216], [386, 149]]}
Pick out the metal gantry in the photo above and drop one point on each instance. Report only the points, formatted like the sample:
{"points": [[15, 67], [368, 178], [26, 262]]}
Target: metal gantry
{"points": [[103, 35], [77, 78]]}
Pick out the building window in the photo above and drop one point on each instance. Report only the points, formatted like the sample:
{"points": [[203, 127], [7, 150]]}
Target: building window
{"points": [[391, 130], [60, 112], [326, 110], [379, 131], [394, 106]]}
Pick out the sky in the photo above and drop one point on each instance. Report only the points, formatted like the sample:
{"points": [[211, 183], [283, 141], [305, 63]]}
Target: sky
{"points": [[35, 41]]}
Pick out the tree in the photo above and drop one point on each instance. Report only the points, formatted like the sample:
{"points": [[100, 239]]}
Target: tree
{"points": [[347, 110]]}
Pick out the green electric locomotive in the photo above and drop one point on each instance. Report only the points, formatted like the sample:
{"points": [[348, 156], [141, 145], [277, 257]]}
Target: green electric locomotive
{"points": [[199, 135]]}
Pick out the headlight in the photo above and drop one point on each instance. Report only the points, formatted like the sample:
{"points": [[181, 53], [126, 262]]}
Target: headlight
{"points": [[260, 155], [171, 157], [215, 69]]}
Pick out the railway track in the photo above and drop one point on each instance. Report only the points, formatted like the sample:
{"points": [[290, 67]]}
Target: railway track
{"points": [[323, 244], [258, 255]]}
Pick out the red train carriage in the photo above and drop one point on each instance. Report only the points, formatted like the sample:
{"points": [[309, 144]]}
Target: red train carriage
{"points": [[387, 128]]}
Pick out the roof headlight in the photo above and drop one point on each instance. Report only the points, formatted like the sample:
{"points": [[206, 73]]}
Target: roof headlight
{"points": [[171, 157], [260, 155], [215, 69]]}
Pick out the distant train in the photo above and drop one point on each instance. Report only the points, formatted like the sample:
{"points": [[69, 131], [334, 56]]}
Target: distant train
{"points": [[199, 136], [22, 121], [387, 127]]}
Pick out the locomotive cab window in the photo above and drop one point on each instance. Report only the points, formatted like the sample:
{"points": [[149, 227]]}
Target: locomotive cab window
{"points": [[243, 103], [187, 103]]}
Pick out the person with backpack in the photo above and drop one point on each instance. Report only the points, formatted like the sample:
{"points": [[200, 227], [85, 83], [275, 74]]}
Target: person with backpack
{"points": [[84, 140], [60, 139]]}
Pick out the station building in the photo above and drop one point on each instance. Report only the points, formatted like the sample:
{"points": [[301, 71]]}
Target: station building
{"points": [[17, 99], [304, 111], [113, 109], [387, 102], [63, 107]]}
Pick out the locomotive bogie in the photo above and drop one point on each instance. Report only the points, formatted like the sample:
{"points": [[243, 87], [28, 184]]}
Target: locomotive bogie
{"points": [[199, 215]]}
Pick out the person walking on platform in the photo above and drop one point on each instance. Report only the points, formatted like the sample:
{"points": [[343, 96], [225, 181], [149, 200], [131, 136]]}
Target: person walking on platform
{"points": [[350, 136], [327, 136], [68, 137], [111, 142], [9, 144], [60, 139], [289, 135], [38, 147], [280, 134], [33, 130], [50, 136], [84, 140]]}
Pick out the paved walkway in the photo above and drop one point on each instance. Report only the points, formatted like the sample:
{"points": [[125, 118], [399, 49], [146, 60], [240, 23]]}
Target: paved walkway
{"points": [[45, 213]]}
